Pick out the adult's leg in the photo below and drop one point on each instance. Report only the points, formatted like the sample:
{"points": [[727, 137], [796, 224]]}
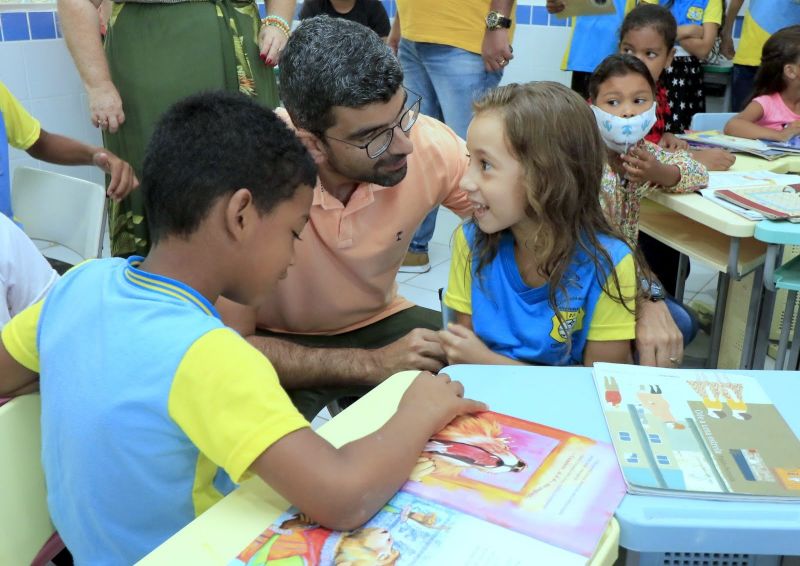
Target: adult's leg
{"points": [[416, 78], [311, 401], [742, 86], [684, 319]]}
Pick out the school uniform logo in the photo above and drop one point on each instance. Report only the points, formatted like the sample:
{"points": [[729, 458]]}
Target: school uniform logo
{"points": [[695, 14], [573, 320]]}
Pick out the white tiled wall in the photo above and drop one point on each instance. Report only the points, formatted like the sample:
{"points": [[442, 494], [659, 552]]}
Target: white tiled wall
{"points": [[42, 76]]}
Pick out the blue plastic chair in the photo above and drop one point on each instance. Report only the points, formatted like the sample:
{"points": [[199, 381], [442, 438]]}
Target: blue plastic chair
{"points": [[710, 121]]}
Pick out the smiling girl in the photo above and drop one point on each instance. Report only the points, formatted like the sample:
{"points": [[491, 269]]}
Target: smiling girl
{"points": [[538, 275]]}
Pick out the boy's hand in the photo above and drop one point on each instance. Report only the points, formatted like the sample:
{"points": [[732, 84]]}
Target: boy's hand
{"points": [[715, 159], [462, 345], [123, 179], [671, 143], [555, 6], [438, 398]]}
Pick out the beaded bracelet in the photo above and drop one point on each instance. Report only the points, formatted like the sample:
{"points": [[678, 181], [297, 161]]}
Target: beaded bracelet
{"points": [[278, 22]]}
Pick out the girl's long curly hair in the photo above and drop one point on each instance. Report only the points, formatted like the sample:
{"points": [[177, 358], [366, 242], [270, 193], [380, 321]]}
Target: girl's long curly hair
{"points": [[553, 134]]}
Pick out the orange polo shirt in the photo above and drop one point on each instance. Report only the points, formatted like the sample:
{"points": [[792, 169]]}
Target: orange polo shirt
{"points": [[343, 276]]}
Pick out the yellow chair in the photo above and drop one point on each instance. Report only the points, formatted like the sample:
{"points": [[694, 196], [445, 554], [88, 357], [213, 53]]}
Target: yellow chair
{"points": [[25, 526]]}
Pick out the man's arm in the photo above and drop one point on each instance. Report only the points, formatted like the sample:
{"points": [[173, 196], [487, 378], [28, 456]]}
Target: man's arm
{"points": [[726, 46], [496, 46], [55, 148], [301, 367], [80, 23]]}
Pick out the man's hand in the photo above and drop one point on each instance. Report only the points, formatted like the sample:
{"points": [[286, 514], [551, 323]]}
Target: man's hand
{"points": [[419, 349], [672, 143], [555, 6], [123, 179], [715, 159], [495, 50], [463, 346], [105, 106], [659, 342]]}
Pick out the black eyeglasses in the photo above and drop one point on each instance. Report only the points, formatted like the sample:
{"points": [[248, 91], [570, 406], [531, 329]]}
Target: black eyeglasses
{"points": [[381, 141]]}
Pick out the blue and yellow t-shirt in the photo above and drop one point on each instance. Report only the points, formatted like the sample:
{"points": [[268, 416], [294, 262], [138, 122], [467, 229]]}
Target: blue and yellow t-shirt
{"points": [[761, 20], [594, 38], [19, 129], [151, 407], [517, 321]]}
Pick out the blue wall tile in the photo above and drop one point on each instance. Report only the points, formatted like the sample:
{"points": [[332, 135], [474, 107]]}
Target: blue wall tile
{"points": [[15, 26], [262, 10], [523, 15], [43, 25], [539, 16], [558, 22]]}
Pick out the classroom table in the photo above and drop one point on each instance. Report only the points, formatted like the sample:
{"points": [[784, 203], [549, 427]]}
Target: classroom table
{"points": [[219, 534], [566, 398], [719, 237]]}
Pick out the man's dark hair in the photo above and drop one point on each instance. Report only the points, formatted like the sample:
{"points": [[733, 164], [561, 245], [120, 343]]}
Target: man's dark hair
{"points": [[210, 145], [618, 65], [334, 62], [651, 16]]}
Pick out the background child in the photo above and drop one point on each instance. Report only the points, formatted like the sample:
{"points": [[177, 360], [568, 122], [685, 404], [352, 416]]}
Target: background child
{"points": [[151, 406], [538, 275], [623, 95], [774, 111], [698, 25]]}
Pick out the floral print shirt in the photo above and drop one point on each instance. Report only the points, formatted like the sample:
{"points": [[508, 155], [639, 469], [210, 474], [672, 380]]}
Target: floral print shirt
{"points": [[621, 198]]}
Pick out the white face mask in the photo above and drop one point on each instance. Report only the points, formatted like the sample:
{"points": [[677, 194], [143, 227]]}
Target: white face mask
{"points": [[621, 133]]}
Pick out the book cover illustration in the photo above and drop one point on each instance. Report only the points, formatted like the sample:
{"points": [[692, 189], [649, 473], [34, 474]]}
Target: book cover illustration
{"points": [[703, 433], [407, 530], [488, 489]]}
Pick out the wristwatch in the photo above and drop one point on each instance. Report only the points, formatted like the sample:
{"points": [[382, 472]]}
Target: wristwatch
{"points": [[652, 289], [496, 20]]}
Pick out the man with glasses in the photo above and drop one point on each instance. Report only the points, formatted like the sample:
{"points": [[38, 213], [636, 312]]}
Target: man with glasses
{"points": [[336, 326]]}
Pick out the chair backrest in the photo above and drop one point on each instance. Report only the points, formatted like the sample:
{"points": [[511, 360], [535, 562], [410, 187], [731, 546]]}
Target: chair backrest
{"points": [[59, 209], [24, 516], [710, 121]]}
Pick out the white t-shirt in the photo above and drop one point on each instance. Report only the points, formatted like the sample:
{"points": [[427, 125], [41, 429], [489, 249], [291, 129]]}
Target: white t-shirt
{"points": [[25, 275]]}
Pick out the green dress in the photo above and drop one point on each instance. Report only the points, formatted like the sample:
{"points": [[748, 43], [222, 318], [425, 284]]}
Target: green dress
{"points": [[160, 53]]}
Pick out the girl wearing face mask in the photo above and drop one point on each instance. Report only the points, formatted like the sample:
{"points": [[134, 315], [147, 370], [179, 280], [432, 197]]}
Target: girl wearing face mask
{"points": [[623, 100]]}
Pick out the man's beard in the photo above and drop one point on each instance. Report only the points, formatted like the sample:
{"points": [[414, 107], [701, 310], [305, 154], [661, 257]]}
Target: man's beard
{"points": [[375, 174]]}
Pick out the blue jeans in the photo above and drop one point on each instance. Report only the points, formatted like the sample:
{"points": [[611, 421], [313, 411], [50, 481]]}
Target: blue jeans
{"points": [[449, 79], [742, 86], [684, 320]]}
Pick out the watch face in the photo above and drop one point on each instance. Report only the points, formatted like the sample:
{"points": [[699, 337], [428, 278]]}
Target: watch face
{"points": [[492, 20]]}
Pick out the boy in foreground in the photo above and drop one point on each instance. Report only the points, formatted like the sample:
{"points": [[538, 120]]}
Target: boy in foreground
{"points": [[151, 407]]}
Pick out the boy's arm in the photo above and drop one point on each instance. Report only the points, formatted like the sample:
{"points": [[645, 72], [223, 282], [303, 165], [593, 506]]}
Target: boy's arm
{"points": [[342, 488], [304, 367], [726, 46], [62, 150], [744, 125], [15, 379], [80, 23]]}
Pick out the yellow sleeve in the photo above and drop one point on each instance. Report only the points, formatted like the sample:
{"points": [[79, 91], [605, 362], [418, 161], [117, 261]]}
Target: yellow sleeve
{"points": [[22, 129], [713, 12], [611, 320], [459, 285], [19, 337], [227, 398]]}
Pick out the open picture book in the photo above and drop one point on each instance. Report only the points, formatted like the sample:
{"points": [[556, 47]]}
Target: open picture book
{"points": [[738, 181], [488, 489], [698, 433], [759, 148]]}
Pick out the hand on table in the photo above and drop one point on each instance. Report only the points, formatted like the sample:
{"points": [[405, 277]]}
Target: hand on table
{"points": [[659, 342], [672, 143], [105, 107], [123, 179], [715, 159], [271, 41]]}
